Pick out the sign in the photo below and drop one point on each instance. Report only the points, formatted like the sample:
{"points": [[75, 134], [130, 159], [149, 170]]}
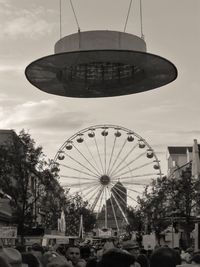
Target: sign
{"points": [[62, 241], [149, 241], [105, 233], [8, 232]]}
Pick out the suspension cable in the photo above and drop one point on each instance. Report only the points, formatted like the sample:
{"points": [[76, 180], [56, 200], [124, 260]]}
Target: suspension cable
{"points": [[60, 19], [128, 15], [141, 20], [75, 15]]}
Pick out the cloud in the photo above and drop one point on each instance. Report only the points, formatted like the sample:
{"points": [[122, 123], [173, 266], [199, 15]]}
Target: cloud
{"points": [[45, 115], [32, 23], [12, 67]]}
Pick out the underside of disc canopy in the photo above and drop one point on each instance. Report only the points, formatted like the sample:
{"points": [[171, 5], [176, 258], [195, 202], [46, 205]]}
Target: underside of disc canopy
{"points": [[100, 64]]}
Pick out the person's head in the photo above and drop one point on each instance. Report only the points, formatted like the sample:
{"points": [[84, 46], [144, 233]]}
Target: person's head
{"points": [[131, 247], [4, 262], [165, 257], [177, 249], [143, 260], [37, 250], [196, 259], [73, 254], [91, 263], [30, 259], [85, 252], [61, 249], [116, 258], [11, 256]]}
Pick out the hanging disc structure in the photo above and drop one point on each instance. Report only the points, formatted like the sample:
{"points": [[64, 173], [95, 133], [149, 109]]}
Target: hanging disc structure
{"points": [[109, 166], [100, 63]]}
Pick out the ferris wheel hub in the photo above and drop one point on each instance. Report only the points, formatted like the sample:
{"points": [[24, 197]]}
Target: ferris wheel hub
{"points": [[104, 179]]}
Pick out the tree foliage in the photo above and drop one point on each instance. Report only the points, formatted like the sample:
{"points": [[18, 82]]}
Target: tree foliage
{"points": [[170, 200], [29, 179], [75, 207]]}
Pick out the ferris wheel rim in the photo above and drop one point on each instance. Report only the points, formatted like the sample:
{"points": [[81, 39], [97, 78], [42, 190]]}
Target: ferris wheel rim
{"points": [[101, 185], [103, 126]]}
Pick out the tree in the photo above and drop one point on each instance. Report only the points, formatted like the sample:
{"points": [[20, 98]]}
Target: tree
{"points": [[52, 198], [30, 180], [75, 207], [171, 200], [18, 163]]}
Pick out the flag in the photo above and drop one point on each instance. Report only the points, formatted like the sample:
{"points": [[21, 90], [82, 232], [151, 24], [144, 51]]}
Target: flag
{"points": [[195, 160], [81, 227]]}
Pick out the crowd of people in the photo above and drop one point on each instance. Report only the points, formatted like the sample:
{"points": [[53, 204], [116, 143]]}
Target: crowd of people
{"points": [[108, 254]]}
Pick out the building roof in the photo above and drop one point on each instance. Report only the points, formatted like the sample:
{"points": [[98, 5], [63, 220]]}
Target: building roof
{"points": [[179, 149], [7, 136]]}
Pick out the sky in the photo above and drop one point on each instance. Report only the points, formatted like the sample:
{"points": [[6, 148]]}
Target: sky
{"points": [[167, 116]]}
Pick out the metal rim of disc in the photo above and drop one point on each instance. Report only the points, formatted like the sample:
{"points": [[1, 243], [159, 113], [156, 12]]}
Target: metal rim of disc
{"points": [[152, 71]]}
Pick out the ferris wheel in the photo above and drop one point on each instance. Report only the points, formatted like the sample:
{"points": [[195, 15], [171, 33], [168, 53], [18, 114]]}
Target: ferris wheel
{"points": [[109, 166]]}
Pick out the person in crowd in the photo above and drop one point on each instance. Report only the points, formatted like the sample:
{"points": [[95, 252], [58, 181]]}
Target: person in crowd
{"points": [[92, 263], [85, 253], [53, 259], [187, 255], [143, 260], [116, 258], [30, 260], [195, 260], [60, 249], [10, 256], [133, 248], [73, 254], [4, 262], [108, 244], [93, 252], [37, 250], [165, 257]]}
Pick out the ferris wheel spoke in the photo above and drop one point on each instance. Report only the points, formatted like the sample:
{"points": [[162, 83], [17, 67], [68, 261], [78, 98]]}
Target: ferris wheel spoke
{"points": [[122, 212], [117, 157], [99, 156], [93, 158], [116, 178], [119, 196], [133, 190], [104, 153], [82, 184], [77, 170], [100, 205], [77, 177], [97, 198], [136, 168], [111, 155], [85, 189], [134, 183], [86, 160], [121, 191], [114, 214], [81, 164], [123, 160], [90, 188], [106, 211], [128, 164]]}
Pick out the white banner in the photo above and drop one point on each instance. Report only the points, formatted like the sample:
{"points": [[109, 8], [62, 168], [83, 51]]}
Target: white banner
{"points": [[107, 233], [8, 232]]}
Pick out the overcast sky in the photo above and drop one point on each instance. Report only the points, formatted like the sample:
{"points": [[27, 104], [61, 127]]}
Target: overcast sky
{"points": [[163, 117]]}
